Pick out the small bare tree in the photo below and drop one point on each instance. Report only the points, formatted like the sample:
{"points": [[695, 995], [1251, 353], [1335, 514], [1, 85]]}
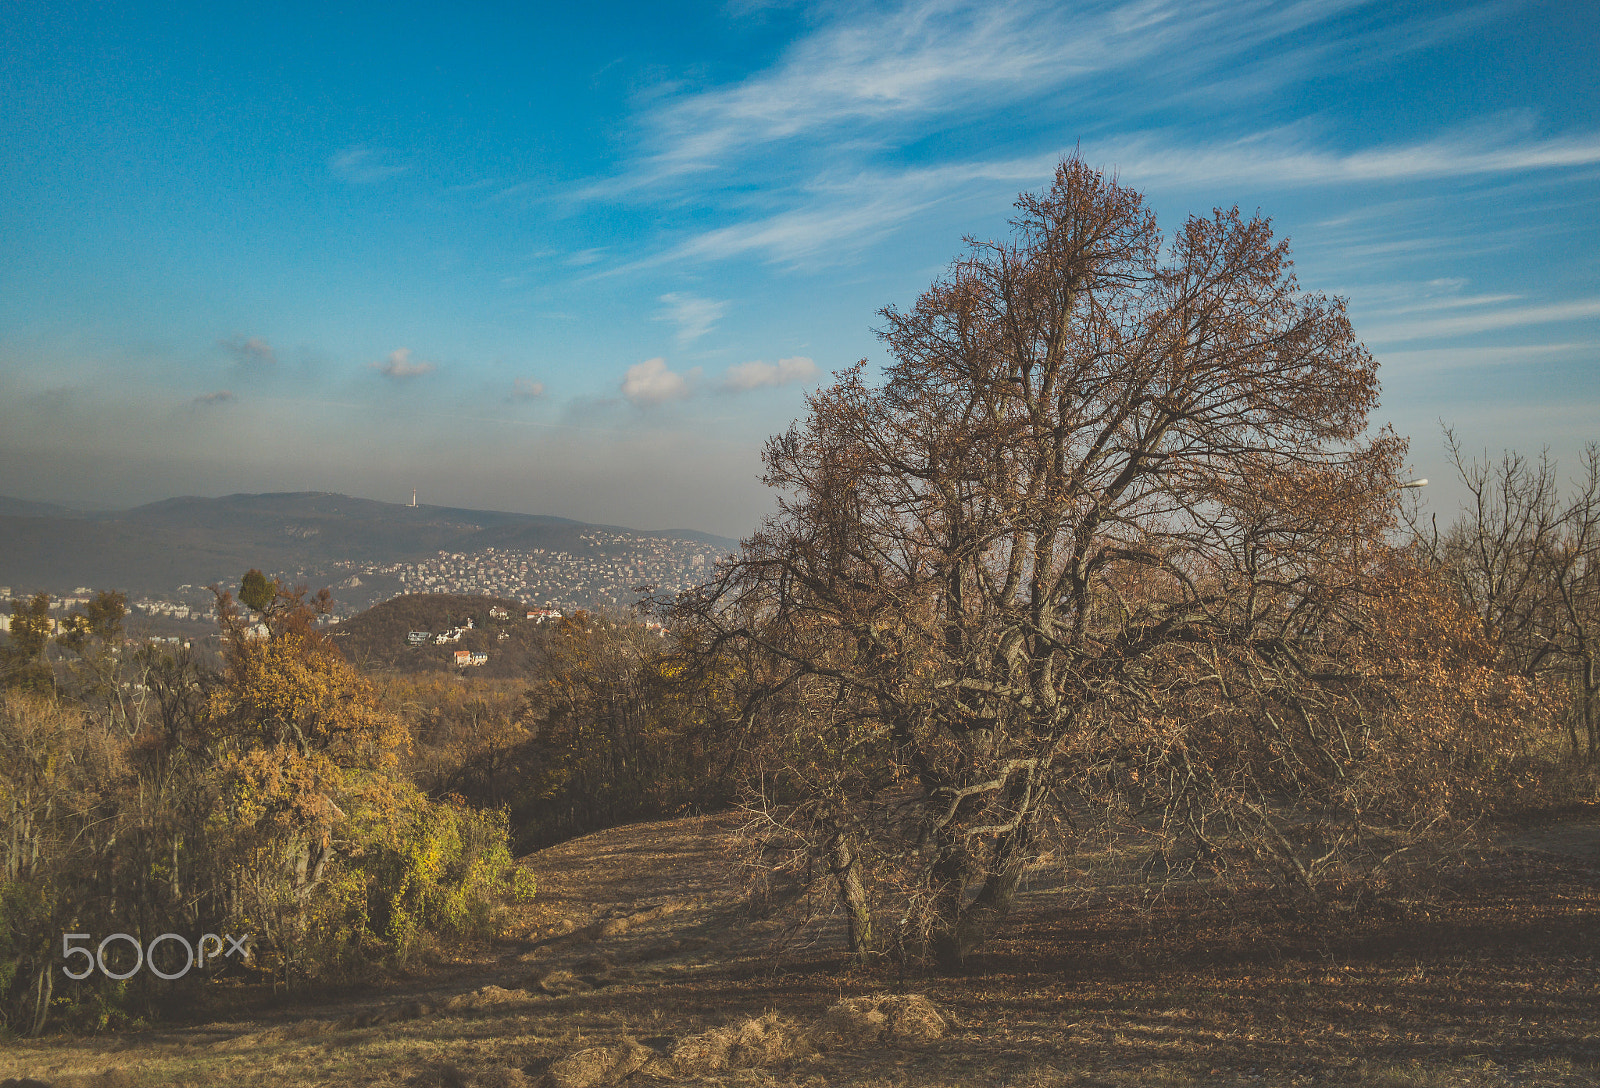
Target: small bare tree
{"points": [[1577, 574], [1526, 560]]}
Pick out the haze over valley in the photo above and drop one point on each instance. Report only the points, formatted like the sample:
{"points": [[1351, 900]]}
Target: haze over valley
{"points": [[164, 555]]}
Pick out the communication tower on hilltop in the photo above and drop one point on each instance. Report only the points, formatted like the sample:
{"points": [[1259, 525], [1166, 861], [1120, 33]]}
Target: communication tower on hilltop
{"points": [[413, 497]]}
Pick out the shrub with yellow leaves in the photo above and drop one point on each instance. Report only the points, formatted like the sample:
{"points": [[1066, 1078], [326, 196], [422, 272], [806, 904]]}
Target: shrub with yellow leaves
{"points": [[347, 861]]}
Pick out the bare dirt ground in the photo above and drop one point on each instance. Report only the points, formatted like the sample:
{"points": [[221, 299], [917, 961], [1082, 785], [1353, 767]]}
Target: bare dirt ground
{"points": [[639, 953]]}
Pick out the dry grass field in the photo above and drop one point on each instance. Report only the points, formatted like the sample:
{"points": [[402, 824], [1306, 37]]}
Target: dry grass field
{"points": [[640, 962]]}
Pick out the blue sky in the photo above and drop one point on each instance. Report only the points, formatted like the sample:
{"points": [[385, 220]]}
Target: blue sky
{"points": [[582, 260]]}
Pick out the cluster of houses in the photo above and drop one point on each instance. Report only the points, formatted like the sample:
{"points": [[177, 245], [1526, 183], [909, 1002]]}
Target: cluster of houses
{"points": [[453, 635], [468, 658], [464, 658]]}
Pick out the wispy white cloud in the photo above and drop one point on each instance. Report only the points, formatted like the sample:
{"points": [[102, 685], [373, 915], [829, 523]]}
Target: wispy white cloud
{"points": [[653, 382], [254, 350], [898, 63], [526, 389], [360, 165], [399, 366], [839, 215], [877, 76], [744, 377], [1429, 360], [913, 59], [1280, 159], [868, 81], [1487, 321], [834, 217], [694, 316], [824, 231], [1428, 305], [1249, 71]]}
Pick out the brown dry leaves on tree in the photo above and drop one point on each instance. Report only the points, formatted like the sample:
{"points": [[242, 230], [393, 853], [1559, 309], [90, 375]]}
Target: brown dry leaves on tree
{"points": [[1105, 546]]}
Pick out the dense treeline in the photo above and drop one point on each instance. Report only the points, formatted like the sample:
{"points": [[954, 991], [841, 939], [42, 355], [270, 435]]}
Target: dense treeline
{"points": [[343, 818], [346, 820]]}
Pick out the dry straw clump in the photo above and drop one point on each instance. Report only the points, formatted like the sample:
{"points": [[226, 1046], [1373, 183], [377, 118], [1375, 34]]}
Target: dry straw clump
{"points": [[766, 1040], [599, 1065], [897, 1018], [755, 1043], [488, 997]]}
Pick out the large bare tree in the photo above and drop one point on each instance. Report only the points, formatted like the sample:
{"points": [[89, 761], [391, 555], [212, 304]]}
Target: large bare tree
{"points": [[1103, 528]]}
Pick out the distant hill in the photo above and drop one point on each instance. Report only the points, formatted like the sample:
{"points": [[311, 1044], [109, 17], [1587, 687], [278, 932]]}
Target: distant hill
{"points": [[22, 508], [306, 535], [376, 640]]}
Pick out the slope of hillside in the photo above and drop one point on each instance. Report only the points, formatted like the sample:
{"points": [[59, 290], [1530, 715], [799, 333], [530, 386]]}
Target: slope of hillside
{"points": [[23, 508], [376, 640], [640, 963], [59, 554]]}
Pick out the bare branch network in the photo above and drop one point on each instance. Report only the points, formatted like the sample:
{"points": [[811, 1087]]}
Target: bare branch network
{"points": [[1106, 539]]}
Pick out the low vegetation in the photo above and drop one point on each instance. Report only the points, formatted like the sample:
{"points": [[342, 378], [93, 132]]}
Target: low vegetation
{"points": [[264, 801], [595, 734]]}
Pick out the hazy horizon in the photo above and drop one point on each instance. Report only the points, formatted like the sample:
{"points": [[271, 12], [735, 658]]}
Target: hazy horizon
{"points": [[422, 503], [583, 262]]}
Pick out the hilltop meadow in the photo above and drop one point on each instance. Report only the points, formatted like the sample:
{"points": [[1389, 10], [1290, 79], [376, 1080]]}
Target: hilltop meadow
{"points": [[1095, 708]]}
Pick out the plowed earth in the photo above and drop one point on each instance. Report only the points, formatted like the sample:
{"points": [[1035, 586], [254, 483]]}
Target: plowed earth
{"points": [[641, 939]]}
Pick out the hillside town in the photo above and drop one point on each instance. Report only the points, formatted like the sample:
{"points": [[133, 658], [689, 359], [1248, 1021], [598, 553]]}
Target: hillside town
{"points": [[609, 571]]}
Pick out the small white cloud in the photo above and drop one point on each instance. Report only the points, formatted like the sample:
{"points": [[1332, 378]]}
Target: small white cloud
{"points": [[759, 375], [693, 315], [206, 400], [652, 382], [253, 350], [526, 389], [399, 366], [584, 257], [364, 165]]}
